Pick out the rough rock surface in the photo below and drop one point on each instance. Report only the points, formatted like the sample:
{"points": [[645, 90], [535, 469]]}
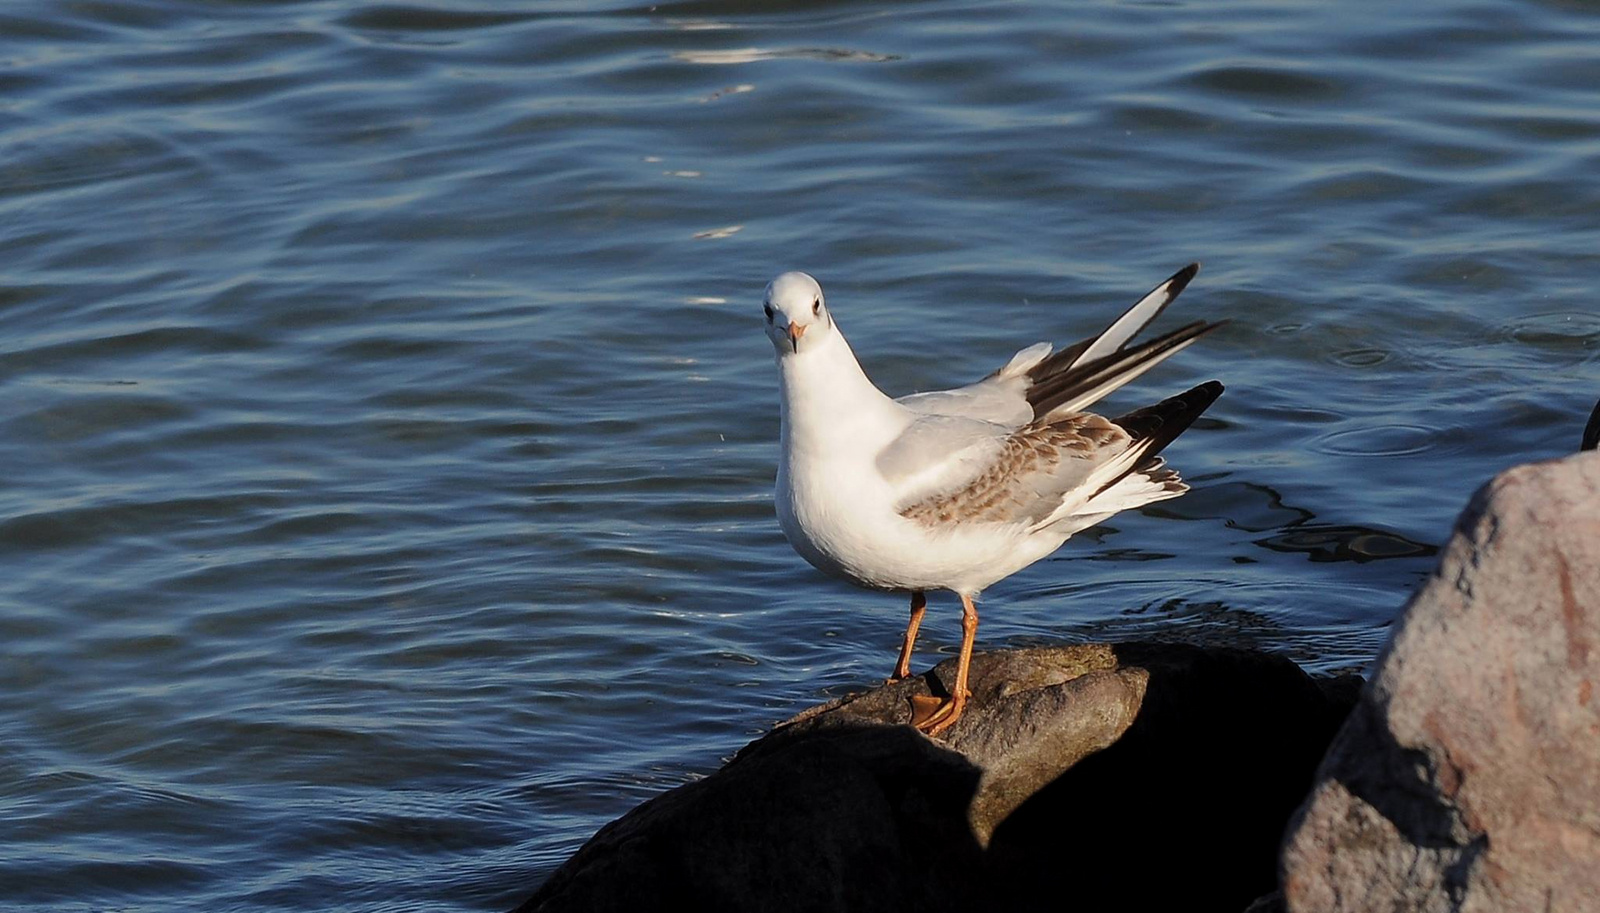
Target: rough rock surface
{"points": [[1468, 777], [1135, 776]]}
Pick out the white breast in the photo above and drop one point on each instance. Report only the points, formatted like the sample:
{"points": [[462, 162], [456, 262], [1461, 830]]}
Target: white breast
{"points": [[841, 513]]}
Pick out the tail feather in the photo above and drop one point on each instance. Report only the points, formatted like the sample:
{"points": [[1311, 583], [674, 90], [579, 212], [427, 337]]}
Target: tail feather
{"points": [[1138, 474], [1142, 486]]}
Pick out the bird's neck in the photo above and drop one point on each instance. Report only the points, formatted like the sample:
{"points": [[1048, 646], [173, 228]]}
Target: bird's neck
{"points": [[829, 404]]}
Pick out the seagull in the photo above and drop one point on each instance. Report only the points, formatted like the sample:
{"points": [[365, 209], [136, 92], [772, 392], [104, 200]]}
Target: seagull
{"points": [[957, 489]]}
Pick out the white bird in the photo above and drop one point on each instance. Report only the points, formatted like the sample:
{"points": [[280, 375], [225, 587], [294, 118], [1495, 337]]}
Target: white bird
{"points": [[959, 488]]}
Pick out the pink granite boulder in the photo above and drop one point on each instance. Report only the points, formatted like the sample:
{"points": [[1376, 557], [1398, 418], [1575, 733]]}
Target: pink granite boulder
{"points": [[1468, 776]]}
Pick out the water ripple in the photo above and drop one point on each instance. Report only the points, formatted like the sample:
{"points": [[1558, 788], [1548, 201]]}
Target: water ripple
{"points": [[391, 435]]}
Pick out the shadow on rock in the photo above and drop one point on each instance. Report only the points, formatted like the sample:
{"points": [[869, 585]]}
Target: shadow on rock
{"points": [[1187, 809], [1149, 776]]}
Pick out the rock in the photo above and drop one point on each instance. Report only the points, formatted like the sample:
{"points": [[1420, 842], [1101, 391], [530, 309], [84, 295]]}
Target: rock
{"points": [[1468, 776], [1139, 776]]}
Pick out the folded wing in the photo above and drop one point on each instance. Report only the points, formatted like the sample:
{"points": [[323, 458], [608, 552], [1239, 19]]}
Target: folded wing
{"points": [[1047, 473]]}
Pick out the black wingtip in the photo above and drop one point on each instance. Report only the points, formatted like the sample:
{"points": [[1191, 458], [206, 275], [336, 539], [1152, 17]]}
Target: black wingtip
{"points": [[1181, 279], [1161, 423], [1591, 434], [1199, 399], [1169, 418]]}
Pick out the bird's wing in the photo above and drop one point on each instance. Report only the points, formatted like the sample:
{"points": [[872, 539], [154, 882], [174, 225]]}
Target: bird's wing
{"points": [[939, 452], [1045, 472], [1001, 398], [1023, 479], [1038, 384]]}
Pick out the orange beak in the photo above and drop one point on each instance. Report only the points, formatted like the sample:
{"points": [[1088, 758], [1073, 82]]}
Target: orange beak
{"points": [[795, 332]]}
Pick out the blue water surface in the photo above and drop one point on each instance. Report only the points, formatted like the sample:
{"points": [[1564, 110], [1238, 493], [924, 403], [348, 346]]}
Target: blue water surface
{"points": [[389, 431]]}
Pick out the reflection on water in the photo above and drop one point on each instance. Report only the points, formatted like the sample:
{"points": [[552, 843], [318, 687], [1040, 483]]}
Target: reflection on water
{"points": [[391, 436], [1347, 543]]}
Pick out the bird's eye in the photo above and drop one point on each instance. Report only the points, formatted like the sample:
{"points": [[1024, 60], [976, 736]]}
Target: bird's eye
{"points": [[768, 309], [816, 306]]}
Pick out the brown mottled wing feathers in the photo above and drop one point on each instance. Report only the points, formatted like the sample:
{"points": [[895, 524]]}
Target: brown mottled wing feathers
{"points": [[1013, 487], [1027, 480]]}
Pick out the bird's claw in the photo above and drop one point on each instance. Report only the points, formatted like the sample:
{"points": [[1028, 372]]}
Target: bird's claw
{"points": [[932, 715]]}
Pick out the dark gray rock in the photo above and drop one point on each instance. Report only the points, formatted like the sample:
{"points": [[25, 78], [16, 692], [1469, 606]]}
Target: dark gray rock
{"points": [[1143, 776], [1468, 776]]}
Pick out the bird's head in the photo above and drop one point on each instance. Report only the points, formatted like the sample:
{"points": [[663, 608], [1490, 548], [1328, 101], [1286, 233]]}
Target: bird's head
{"points": [[796, 315]]}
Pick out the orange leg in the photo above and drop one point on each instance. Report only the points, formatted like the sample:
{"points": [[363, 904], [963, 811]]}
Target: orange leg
{"points": [[919, 604], [950, 711]]}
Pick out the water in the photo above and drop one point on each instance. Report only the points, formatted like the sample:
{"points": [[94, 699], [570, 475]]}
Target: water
{"points": [[389, 429]]}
